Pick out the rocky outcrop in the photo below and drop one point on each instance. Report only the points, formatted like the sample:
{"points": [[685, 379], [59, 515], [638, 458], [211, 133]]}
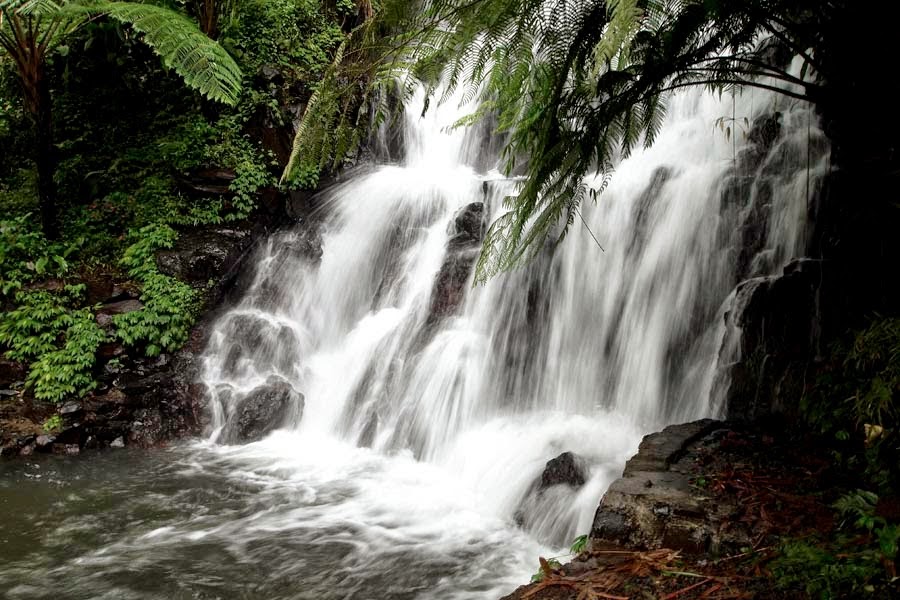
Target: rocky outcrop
{"points": [[658, 503], [466, 233], [11, 373], [263, 410], [203, 255], [565, 469], [138, 401], [777, 319]]}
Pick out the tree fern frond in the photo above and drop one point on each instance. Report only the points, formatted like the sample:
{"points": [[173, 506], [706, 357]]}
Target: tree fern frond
{"points": [[200, 61]]}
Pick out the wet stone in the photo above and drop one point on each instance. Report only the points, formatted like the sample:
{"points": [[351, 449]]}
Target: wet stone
{"points": [[70, 408], [565, 469], [44, 441]]}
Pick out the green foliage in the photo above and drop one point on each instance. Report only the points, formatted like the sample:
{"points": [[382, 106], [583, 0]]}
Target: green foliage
{"points": [[573, 88], [861, 506], [292, 34], [325, 122], [251, 167], [362, 78], [25, 255], [844, 566], [66, 371], [59, 342], [54, 423], [130, 140], [856, 390], [579, 544], [820, 573], [170, 306], [547, 565]]}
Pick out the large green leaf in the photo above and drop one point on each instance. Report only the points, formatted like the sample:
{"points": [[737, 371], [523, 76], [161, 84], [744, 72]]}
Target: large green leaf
{"points": [[200, 61]]}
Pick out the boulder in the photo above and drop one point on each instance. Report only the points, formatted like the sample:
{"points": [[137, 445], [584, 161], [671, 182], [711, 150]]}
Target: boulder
{"points": [[70, 409], [262, 411], [655, 504], [466, 233], [565, 469], [467, 227], [777, 318], [44, 442], [205, 182], [11, 372], [204, 254], [105, 313]]}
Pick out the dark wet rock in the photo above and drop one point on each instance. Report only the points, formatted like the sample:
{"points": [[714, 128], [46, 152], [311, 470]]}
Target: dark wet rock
{"points": [[106, 287], [655, 504], [148, 429], [565, 469], [110, 350], [70, 409], [467, 227], [305, 243], [105, 313], [466, 233], [451, 282], [133, 383], [121, 307], [47, 285], [255, 336], [206, 182], [263, 410], [66, 449], [205, 254], [11, 372], [643, 206], [269, 73], [44, 442], [779, 335], [765, 131]]}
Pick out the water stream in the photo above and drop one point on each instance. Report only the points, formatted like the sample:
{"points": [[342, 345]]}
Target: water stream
{"points": [[420, 412]]}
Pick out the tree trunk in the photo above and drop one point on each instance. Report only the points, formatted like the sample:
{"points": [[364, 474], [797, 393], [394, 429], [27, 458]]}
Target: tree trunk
{"points": [[209, 18], [46, 156]]}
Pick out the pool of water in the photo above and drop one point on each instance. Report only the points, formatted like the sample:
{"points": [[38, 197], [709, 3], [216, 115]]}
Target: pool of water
{"points": [[283, 518]]}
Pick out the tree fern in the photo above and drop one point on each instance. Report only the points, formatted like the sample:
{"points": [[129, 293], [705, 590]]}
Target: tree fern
{"points": [[200, 61], [575, 85]]}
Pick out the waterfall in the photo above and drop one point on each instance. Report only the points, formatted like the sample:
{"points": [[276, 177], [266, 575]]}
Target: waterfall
{"points": [[364, 333]]}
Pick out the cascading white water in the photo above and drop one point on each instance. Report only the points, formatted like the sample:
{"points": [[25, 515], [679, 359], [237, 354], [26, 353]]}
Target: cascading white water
{"points": [[444, 402]]}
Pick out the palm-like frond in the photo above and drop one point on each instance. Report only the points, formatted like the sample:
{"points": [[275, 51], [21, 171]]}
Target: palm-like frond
{"points": [[30, 8], [575, 85], [200, 61]]}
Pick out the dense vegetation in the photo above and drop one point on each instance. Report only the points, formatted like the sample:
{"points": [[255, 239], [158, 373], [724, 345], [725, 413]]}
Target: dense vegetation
{"points": [[104, 127], [97, 178]]}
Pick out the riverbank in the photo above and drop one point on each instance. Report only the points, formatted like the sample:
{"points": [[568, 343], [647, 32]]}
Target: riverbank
{"points": [[136, 400], [713, 509]]}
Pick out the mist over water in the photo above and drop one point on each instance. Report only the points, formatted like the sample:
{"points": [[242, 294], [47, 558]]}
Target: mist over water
{"points": [[428, 411]]}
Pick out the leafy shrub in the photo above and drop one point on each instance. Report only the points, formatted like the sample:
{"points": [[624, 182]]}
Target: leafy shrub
{"points": [[170, 306], [292, 33], [52, 424], [849, 565], [59, 342], [25, 254], [854, 400]]}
